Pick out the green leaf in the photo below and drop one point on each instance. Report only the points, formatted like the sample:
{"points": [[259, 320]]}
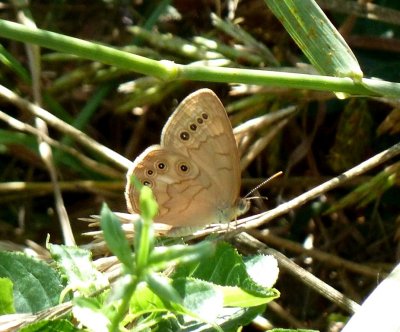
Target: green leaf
{"points": [[115, 237], [144, 233], [77, 265], [6, 297], [201, 298], [144, 301], [293, 330], [227, 270], [148, 204], [9, 61], [121, 288], [9, 137], [263, 270], [163, 288], [57, 325], [317, 37], [224, 268], [36, 285], [237, 297], [234, 319], [368, 191], [205, 302], [200, 301], [90, 313], [179, 254]]}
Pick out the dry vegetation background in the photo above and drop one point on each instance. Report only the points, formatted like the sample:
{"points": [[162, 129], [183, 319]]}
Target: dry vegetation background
{"points": [[324, 138]]}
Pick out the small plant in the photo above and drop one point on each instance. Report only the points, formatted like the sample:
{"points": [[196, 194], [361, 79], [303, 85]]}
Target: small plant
{"points": [[208, 286]]}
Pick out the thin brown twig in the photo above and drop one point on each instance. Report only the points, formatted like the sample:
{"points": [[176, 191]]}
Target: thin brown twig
{"points": [[327, 258], [247, 241], [260, 144], [33, 52], [88, 162], [368, 10], [78, 186], [86, 141], [260, 219]]}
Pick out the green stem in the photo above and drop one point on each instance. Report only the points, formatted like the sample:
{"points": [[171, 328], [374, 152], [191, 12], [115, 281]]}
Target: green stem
{"points": [[273, 78], [83, 48], [123, 308], [168, 70]]}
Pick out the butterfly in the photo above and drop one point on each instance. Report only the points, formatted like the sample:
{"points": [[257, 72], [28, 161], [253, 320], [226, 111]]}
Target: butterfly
{"points": [[194, 172]]}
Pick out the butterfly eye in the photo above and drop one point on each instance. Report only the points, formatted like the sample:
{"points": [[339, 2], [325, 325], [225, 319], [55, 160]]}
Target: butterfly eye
{"points": [[150, 172], [200, 120], [204, 116], [193, 127], [184, 135]]}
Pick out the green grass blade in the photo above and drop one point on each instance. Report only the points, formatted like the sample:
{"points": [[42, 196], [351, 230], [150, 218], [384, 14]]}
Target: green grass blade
{"points": [[317, 37]]}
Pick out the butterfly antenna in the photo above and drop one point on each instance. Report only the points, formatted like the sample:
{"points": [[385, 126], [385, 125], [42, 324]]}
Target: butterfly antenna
{"points": [[263, 183]]}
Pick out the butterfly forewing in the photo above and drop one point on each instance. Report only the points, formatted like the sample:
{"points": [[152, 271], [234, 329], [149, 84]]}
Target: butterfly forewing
{"points": [[200, 129]]}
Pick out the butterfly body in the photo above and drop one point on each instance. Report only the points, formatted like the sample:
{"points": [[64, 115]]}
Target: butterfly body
{"points": [[194, 172]]}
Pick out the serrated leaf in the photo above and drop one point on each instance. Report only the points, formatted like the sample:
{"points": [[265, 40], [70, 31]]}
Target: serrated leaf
{"points": [[36, 285], [115, 237], [89, 313], [237, 297], [202, 302], [77, 265], [6, 297], [201, 298], [224, 268], [263, 270]]}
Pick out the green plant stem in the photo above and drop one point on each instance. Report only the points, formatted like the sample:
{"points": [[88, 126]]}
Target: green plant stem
{"points": [[168, 70], [159, 8], [272, 78], [82, 48], [122, 309], [145, 246]]}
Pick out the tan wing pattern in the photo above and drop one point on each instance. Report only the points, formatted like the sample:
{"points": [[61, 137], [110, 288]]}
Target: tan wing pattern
{"points": [[194, 172]]}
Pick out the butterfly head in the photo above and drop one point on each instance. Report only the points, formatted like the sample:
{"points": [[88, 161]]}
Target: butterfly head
{"points": [[242, 206], [231, 213]]}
